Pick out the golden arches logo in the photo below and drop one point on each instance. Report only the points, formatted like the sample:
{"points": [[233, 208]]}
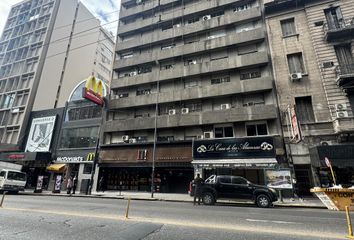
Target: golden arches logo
{"points": [[94, 90], [90, 157]]}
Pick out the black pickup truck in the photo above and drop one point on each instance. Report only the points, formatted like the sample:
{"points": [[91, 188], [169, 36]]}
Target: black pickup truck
{"points": [[234, 187]]}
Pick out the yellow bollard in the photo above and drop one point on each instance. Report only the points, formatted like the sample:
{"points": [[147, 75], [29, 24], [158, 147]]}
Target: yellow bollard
{"points": [[2, 199], [349, 221], [127, 211]]}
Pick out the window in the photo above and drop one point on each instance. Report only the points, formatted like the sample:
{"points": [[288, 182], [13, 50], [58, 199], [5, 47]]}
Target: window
{"points": [[249, 74], [87, 169], [256, 129], [144, 69], [194, 107], [220, 80], [190, 62], [252, 100], [223, 132], [142, 154], [225, 179], [345, 58], [216, 34], [165, 138], [288, 27], [239, 180], [304, 110], [143, 92], [79, 137], [242, 7], [83, 112], [295, 63], [166, 66], [168, 46], [2, 174], [334, 18], [216, 55]]}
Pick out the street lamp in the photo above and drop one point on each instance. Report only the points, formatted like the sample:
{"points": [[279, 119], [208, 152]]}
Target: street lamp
{"points": [[155, 139]]}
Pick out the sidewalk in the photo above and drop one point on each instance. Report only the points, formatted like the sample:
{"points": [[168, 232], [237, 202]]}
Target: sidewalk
{"points": [[175, 197]]}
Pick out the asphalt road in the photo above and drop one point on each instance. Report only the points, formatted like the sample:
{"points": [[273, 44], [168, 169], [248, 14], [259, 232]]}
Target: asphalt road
{"points": [[40, 217]]}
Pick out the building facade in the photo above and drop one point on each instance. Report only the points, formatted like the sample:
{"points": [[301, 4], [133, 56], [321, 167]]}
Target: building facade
{"points": [[312, 49], [194, 71], [47, 47]]}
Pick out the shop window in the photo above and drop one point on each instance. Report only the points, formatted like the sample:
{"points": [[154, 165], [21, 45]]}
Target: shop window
{"points": [[142, 154], [223, 132], [295, 63], [288, 27], [87, 169], [256, 129], [304, 109]]}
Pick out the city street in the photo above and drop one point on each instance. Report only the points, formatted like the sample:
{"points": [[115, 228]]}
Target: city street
{"points": [[46, 217]]}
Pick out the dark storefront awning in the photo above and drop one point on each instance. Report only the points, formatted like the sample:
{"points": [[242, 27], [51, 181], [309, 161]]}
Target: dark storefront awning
{"points": [[21, 157], [339, 155]]}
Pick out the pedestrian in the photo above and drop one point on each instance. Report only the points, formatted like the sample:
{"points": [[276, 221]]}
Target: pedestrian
{"points": [[197, 182], [74, 184], [296, 190], [101, 184], [69, 185]]}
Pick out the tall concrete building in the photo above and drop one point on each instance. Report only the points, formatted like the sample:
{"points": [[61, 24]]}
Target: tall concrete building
{"points": [[312, 46], [46, 49], [198, 72]]}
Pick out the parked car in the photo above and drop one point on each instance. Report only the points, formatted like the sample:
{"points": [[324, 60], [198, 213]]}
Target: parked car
{"points": [[234, 187]]}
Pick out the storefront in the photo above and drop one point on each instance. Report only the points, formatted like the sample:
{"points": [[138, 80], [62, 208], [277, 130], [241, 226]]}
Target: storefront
{"points": [[130, 167], [77, 163], [246, 157], [33, 164], [342, 160]]}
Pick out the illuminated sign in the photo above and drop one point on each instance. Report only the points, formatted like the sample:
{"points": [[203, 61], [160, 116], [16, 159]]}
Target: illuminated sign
{"points": [[93, 90]]}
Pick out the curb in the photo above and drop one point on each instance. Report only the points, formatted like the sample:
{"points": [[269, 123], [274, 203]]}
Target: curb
{"points": [[294, 205]]}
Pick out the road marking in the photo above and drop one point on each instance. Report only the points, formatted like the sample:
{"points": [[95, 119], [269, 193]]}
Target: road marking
{"points": [[228, 227], [271, 221]]}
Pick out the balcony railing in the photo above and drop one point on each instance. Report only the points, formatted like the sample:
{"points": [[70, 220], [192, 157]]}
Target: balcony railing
{"points": [[345, 75], [343, 28]]}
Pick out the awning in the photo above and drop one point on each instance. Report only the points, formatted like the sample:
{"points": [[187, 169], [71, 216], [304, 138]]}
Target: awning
{"points": [[56, 167], [243, 162]]}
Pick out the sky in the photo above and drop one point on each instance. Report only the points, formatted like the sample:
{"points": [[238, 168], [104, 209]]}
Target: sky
{"points": [[105, 10]]}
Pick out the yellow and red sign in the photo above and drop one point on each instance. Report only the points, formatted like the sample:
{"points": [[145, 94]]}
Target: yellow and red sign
{"points": [[94, 90]]}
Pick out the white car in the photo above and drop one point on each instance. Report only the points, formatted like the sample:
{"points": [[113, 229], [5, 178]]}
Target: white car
{"points": [[12, 180]]}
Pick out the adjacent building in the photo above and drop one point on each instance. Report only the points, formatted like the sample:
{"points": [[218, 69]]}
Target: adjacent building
{"points": [[312, 50], [47, 51], [199, 73], [47, 48]]}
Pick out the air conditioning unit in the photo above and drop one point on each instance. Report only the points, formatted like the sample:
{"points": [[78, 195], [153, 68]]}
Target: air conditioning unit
{"points": [[341, 107], [133, 73], [125, 138], [208, 135], [295, 77], [185, 110], [200, 137], [172, 112], [206, 17], [132, 140], [342, 114], [225, 106]]}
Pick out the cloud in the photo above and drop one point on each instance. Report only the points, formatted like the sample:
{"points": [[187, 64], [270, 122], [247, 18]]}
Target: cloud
{"points": [[105, 10]]}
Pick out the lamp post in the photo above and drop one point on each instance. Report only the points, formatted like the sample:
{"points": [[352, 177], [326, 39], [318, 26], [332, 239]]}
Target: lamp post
{"points": [[155, 139]]}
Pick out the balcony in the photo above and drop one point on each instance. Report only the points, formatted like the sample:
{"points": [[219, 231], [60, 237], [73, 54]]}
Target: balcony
{"points": [[159, 36], [240, 114], [345, 76], [343, 29], [178, 12], [197, 47], [179, 70], [234, 87]]}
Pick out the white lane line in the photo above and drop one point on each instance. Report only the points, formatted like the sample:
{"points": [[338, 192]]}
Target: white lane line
{"points": [[271, 221]]}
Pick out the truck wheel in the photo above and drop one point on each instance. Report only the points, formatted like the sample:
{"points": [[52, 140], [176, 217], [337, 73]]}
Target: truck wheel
{"points": [[208, 198], [263, 201]]}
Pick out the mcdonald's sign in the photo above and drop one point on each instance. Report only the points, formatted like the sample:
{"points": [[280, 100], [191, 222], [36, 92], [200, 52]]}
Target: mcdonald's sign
{"points": [[93, 90], [90, 157]]}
